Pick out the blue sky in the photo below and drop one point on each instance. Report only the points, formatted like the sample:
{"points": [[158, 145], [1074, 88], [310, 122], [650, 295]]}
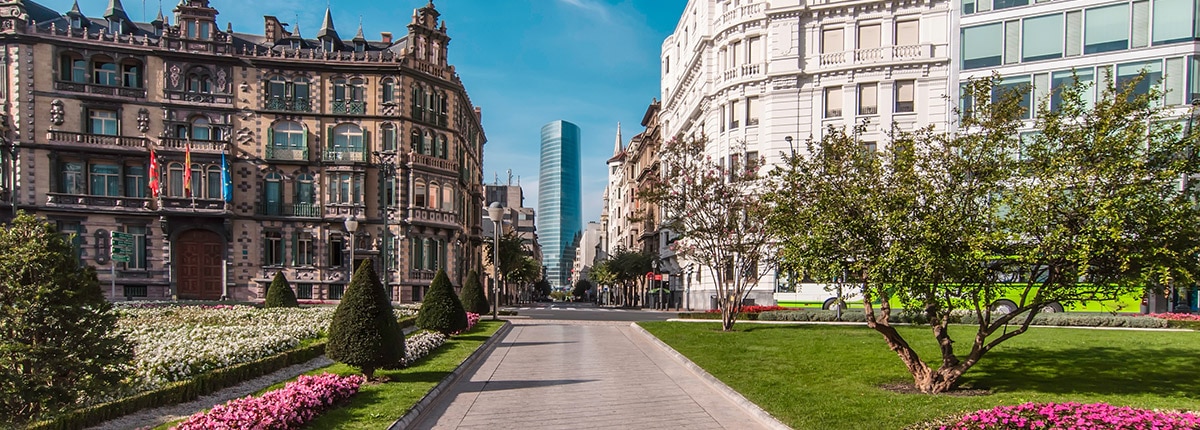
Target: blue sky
{"points": [[525, 62]]}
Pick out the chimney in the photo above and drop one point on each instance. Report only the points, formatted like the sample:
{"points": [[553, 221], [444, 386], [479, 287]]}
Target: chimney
{"points": [[386, 36], [479, 114]]}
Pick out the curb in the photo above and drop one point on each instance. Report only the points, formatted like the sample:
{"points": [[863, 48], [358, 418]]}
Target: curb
{"points": [[763, 417], [414, 414]]}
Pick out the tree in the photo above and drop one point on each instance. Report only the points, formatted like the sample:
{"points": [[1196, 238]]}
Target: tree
{"points": [[280, 294], [718, 213], [364, 332], [628, 269], [441, 310], [543, 287], [59, 337], [581, 288], [942, 222], [472, 297], [516, 267]]}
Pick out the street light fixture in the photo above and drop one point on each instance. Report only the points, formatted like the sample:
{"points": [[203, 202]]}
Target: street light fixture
{"points": [[495, 213], [790, 146], [387, 173], [351, 226]]}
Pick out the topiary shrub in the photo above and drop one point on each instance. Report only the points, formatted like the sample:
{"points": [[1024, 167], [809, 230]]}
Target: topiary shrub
{"points": [[473, 299], [364, 332], [280, 294], [441, 311], [57, 332]]}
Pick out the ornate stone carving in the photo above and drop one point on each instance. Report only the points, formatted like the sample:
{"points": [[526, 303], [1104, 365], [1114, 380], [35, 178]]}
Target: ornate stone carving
{"points": [[143, 120], [56, 112]]}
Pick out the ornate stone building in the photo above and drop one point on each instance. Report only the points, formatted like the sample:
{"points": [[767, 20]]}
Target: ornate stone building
{"points": [[230, 157]]}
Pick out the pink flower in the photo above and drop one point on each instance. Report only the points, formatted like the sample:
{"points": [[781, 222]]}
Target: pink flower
{"points": [[1071, 415], [289, 407]]}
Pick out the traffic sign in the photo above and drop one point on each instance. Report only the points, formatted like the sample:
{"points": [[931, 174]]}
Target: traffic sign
{"points": [[121, 245]]}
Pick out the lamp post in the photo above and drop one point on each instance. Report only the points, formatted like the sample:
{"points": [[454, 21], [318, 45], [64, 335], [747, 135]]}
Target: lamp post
{"points": [[790, 146], [387, 172], [495, 213], [351, 227]]}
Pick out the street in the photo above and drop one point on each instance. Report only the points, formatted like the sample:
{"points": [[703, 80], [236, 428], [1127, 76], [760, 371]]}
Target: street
{"points": [[584, 311]]}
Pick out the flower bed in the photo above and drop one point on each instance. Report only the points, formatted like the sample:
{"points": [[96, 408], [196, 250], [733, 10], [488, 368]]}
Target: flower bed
{"points": [[420, 344], [289, 407], [1073, 415], [755, 309], [1177, 317]]}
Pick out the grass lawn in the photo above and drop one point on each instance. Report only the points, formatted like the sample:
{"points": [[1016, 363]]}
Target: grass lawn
{"points": [[377, 406], [821, 376]]}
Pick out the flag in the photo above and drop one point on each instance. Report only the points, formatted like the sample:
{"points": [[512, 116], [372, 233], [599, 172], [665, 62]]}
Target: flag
{"points": [[226, 181], [187, 170], [154, 185]]}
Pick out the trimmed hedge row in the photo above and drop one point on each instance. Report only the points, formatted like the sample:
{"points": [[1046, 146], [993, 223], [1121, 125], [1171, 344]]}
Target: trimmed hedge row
{"points": [[407, 322], [182, 391], [1194, 325]]}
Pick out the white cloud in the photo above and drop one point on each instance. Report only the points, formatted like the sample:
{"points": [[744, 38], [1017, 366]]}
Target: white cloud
{"points": [[599, 9]]}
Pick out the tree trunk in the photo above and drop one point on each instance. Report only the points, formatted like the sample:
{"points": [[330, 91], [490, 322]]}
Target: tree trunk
{"points": [[368, 372]]}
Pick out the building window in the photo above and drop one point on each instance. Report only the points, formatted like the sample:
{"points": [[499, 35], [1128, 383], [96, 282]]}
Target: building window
{"points": [[448, 198], [345, 188], [131, 75], [198, 82], [982, 46], [304, 189], [191, 28], [868, 99], [753, 106], [1042, 38], [138, 260], [1194, 84], [831, 40], [72, 178], [1128, 73], [389, 192], [1020, 85], [105, 179], [337, 251], [72, 68], [388, 132], [1005, 4], [336, 291], [753, 50], [104, 72], [442, 146], [905, 96], [907, 32], [734, 121], [833, 102], [175, 180], [1106, 29], [389, 91], [102, 122], [135, 181], [273, 194], [418, 98], [273, 254], [1062, 79], [348, 137], [1174, 21], [304, 250], [419, 194], [288, 134], [304, 291], [869, 36]]}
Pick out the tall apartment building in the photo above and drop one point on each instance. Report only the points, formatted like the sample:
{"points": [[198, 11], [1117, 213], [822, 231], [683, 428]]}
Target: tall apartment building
{"points": [[560, 205], [522, 220], [231, 157], [764, 76]]}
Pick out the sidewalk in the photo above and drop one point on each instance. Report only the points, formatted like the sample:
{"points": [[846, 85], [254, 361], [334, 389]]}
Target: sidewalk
{"points": [[582, 374]]}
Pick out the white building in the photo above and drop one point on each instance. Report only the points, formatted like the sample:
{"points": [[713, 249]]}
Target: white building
{"points": [[587, 251], [773, 73]]}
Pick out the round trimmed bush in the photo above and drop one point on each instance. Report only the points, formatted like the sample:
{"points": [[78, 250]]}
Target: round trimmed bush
{"points": [[441, 311], [364, 332], [473, 299], [280, 294]]}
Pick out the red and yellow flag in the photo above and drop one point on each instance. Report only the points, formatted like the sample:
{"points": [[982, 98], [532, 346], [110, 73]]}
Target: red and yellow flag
{"points": [[187, 170], [154, 185]]}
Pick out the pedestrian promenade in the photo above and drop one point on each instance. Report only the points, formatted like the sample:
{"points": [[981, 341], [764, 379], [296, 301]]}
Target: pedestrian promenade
{"points": [[581, 374]]}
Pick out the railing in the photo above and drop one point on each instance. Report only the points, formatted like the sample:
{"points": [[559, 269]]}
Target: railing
{"points": [[421, 275], [205, 146], [58, 199], [302, 210], [298, 104], [739, 12], [349, 107], [58, 136], [84, 87], [882, 54], [277, 153], [432, 216], [434, 162], [346, 154], [198, 204]]}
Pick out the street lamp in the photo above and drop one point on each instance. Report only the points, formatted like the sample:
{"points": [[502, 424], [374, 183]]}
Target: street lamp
{"points": [[790, 146], [351, 226], [387, 173], [495, 212]]}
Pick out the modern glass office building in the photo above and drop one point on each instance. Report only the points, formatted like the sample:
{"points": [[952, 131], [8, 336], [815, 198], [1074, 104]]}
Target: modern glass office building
{"points": [[560, 209]]}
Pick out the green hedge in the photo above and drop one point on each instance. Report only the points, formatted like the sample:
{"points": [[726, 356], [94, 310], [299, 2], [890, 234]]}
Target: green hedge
{"points": [[407, 322], [1060, 320], [182, 391], [1194, 325], [717, 316]]}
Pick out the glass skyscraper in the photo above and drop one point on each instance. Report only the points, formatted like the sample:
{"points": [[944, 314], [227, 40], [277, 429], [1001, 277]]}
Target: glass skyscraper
{"points": [[560, 209]]}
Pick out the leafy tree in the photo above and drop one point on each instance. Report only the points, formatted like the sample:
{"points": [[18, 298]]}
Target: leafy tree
{"points": [[719, 214], [59, 337], [516, 266], [364, 332], [472, 297], [937, 220], [543, 287], [441, 310], [280, 294], [581, 288], [628, 269]]}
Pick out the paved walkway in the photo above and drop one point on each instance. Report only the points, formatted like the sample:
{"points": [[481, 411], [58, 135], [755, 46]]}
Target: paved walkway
{"points": [[574, 375]]}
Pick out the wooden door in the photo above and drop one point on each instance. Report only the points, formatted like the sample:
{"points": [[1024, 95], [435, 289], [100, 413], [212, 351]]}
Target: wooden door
{"points": [[198, 265]]}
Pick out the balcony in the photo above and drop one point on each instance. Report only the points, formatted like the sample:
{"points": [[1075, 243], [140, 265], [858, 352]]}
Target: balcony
{"points": [[432, 217], [197, 206], [298, 104], [73, 139], [874, 56], [198, 146], [133, 204], [416, 160], [743, 71], [297, 210], [349, 107], [739, 13], [283, 153], [107, 90], [421, 275], [354, 155]]}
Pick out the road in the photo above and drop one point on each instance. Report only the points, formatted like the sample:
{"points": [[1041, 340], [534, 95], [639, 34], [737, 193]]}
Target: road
{"points": [[587, 312]]}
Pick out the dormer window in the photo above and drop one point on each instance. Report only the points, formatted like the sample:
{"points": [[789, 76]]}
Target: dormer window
{"points": [[158, 31], [76, 23], [114, 26], [328, 44], [360, 46], [295, 44]]}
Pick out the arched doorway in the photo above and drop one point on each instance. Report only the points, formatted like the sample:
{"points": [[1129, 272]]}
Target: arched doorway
{"points": [[198, 259]]}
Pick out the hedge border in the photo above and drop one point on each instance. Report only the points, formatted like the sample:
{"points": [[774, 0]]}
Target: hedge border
{"points": [[181, 391]]}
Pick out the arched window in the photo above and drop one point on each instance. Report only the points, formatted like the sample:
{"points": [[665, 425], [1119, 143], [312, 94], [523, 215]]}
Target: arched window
{"points": [[427, 143], [273, 194], [441, 146], [339, 90], [131, 74], [72, 67], [347, 137], [198, 81], [443, 108], [197, 180], [388, 132], [104, 71], [276, 88], [418, 98], [389, 90], [175, 180], [434, 192], [288, 134], [357, 89], [415, 140], [212, 181], [201, 129], [418, 194], [448, 198], [304, 190], [300, 91]]}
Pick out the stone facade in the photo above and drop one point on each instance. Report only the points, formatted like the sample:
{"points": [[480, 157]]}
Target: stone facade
{"points": [[287, 137]]}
